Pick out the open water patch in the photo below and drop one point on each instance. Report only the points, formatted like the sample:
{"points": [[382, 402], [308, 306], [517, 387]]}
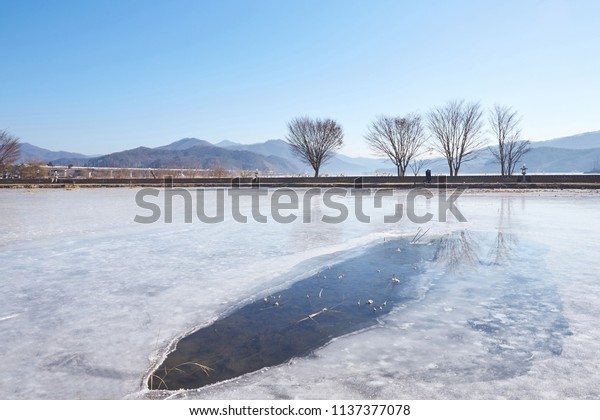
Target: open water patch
{"points": [[339, 299]]}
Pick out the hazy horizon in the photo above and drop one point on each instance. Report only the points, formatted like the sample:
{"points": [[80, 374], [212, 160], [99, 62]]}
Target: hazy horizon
{"points": [[363, 154]]}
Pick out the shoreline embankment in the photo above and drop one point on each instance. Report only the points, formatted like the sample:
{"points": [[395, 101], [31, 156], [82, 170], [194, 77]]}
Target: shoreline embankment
{"points": [[586, 181]]}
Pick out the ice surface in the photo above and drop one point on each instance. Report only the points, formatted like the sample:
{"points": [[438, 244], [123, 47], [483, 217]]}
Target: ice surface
{"points": [[90, 300]]}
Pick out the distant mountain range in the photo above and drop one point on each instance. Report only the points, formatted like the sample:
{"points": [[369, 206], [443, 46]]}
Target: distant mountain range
{"points": [[589, 140], [538, 160], [31, 153], [339, 164], [192, 154], [579, 153]]}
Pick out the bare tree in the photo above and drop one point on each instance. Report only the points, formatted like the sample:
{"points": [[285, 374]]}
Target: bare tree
{"points": [[314, 141], [10, 149], [398, 138], [458, 130], [510, 149], [516, 150], [217, 170], [415, 165]]}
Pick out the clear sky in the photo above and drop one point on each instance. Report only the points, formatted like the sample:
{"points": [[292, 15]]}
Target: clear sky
{"points": [[102, 76]]}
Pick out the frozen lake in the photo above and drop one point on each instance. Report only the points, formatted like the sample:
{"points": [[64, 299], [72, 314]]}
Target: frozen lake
{"points": [[507, 305]]}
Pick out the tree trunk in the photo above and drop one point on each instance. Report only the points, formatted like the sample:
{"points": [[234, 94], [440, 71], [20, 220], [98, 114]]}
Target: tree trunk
{"points": [[398, 167], [316, 172]]}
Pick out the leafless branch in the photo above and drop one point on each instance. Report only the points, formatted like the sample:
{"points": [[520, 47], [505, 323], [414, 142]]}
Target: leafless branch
{"points": [[10, 149], [458, 130], [510, 148], [398, 138], [314, 141]]}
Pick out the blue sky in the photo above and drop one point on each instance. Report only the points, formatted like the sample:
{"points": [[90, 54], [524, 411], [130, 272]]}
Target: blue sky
{"points": [[103, 76]]}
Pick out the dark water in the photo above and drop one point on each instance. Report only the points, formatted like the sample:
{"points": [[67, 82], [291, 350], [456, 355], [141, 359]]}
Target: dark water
{"points": [[341, 298]]}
